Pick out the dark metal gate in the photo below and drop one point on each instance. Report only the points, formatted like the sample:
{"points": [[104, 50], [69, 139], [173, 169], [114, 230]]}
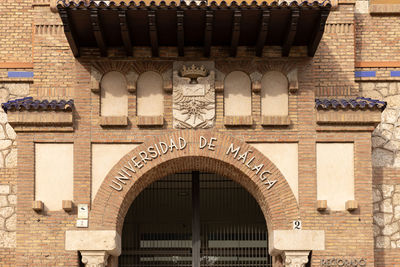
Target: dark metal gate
{"points": [[194, 219]]}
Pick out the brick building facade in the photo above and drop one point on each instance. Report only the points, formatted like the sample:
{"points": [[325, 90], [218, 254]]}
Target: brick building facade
{"points": [[297, 103]]}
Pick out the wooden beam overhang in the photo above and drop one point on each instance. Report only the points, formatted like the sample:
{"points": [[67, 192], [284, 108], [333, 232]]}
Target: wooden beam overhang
{"points": [[318, 32], [204, 25], [262, 34], [237, 16], [98, 31], [291, 31], [180, 31], [69, 32], [208, 32], [151, 15], [126, 39]]}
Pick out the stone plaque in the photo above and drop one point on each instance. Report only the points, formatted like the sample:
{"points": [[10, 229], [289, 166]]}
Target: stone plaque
{"points": [[193, 95]]}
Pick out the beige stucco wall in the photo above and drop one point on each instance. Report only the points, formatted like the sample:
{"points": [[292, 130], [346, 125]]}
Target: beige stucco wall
{"points": [[104, 157], [237, 94], [114, 95], [285, 158], [335, 174], [54, 174], [150, 97], [274, 94]]}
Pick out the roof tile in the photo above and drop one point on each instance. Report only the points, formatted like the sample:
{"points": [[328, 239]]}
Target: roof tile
{"points": [[355, 103], [27, 103]]}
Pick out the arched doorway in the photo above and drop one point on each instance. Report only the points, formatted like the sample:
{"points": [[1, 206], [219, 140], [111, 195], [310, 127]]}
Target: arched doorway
{"points": [[194, 219]]}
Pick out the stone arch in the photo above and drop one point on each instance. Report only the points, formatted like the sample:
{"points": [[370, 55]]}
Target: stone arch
{"points": [[278, 203]]}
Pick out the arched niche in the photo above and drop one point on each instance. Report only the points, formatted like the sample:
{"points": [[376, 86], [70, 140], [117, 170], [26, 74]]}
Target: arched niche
{"points": [[114, 95], [150, 97], [274, 94], [237, 94]]}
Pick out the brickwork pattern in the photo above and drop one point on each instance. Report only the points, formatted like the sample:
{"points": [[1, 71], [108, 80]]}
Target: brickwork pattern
{"points": [[57, 74]]}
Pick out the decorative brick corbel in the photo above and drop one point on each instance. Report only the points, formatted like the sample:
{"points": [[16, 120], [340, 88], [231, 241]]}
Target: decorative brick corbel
{"points": [[95, 80], [256, 81], [131, 79], [219, 86], [167, 86], [167, 81], [293, 80]]}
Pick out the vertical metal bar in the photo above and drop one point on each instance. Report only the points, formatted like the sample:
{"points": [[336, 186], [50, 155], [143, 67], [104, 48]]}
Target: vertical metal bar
{"points": [[196, 219]]}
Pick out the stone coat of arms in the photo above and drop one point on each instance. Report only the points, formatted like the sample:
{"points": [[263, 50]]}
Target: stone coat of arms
{"points": [[193, 95]]}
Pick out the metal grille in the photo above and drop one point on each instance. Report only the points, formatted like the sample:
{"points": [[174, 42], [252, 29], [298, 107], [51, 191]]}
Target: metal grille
{"points": [[158, 226]]}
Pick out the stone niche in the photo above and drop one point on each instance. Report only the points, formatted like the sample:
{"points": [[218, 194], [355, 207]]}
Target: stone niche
{"points": [[193, 94]]}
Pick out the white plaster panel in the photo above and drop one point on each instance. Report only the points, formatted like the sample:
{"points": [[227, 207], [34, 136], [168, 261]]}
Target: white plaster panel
{"points": [[335, 174], [114, 95], [274, 94], [285, 158], [150, 97], [237, 94], [104, 157], [54, 174]]}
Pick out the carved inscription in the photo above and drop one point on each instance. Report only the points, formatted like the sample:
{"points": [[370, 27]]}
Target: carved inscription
{"points": [[139, 161]]}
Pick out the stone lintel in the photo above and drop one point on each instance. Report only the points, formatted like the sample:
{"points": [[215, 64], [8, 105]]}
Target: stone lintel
{"points": [[93, 240], [37, 120], [296, 240], [349, 117]]}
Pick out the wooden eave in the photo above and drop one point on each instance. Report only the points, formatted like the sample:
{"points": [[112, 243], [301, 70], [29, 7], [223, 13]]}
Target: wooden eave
{"points": [[153, 25]]}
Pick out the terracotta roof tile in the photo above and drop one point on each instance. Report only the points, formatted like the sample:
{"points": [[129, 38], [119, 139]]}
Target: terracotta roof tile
{"points": [[28, 103], [355, 103]]}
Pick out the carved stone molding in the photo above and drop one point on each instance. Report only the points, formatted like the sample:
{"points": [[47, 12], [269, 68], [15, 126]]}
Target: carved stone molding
{"points": [[94, 258], [295, 258]]}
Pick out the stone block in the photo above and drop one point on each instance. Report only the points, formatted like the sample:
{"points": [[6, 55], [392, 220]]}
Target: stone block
{"points": [[18, 89], [3, 118], [106, 240], [382, 157], [378, 141], [387, 190], [4, 189], [386, 206], [11, 159], [376, 195], [11, 223], [10, 132], [6, 212], [7, 239], [12, 199], [396, 199], [397, 213], [382, 242], [3, 201], [4, 144], [390, 229], [302, 240]]}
